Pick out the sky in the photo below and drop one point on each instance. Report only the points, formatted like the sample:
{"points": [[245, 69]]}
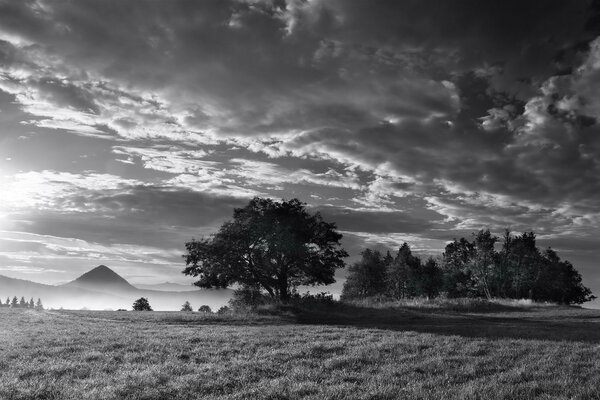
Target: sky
{"points": [[128, 128]]}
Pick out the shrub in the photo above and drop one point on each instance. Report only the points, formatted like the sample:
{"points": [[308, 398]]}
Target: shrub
{"points": [[205, 309], [247, 297], [224, 310]]}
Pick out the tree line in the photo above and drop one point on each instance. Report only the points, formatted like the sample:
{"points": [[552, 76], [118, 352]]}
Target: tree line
{"points": [[270, 248], [22, 303], [470, 268]]}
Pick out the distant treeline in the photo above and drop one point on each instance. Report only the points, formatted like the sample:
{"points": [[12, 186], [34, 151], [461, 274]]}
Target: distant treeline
{"points": [[470, 268], [16, 303]]}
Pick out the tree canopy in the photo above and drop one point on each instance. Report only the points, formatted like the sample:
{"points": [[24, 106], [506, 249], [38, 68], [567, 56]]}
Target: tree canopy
{"points": [[471, 268], [276, 246], [142, 304]]}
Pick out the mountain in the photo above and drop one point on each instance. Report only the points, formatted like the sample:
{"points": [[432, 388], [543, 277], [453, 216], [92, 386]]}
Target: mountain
{"points": [[169, 287], [102, 279], [101, 288]]}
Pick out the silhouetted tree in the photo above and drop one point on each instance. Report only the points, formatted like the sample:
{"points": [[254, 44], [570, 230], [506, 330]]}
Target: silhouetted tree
{"points": [[8, 301], [430, 279], [403, 274], [31, 303], [186, 306], [274, 245], [15, 302], [39, 305], [22, 302], [366, 277], [458, 280], [141, 304], [204, 308]]}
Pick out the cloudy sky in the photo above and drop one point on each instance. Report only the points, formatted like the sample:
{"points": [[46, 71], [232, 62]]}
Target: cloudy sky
{"points": [[127, 128]]}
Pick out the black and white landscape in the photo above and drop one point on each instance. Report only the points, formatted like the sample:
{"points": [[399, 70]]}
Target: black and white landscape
{"points": [[103, 289], [371, 199]]}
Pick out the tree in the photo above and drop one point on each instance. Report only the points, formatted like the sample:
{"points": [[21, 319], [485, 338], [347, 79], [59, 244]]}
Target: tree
{"points": [[431, 279], [31, 303], [205, 309], [186, 306], [39, 305], [274, 245], [366, 277], [141, 304], [402, 274], [22, 302], [15, 302], [7, 301]]}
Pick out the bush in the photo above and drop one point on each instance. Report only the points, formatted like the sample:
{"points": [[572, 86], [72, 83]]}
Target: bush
{"points": [[224, 310], [248, 297], [205, 309]]}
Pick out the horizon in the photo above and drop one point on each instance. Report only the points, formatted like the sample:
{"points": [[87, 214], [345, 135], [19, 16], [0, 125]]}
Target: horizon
{"points": [[120, 141]]}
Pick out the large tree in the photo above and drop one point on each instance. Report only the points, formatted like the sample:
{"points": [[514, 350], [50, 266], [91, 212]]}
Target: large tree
{"points": [[274, 245]]}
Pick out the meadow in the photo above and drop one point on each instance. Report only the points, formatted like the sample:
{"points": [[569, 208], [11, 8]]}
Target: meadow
{"points": [[337, 352]]}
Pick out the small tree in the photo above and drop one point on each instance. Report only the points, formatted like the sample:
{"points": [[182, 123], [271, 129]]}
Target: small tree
{"points": [[38, 305], [366, 277], [15, 302], [186, 307], [7, 301], [22, 302], [205, 309], [31, 303], [142, 304]]}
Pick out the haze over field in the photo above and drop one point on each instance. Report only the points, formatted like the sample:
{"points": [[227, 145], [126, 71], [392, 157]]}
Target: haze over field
{"points": [[126, 130], [103, 289]]}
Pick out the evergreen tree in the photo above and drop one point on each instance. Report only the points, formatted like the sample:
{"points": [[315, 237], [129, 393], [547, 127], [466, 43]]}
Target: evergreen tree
{"points": [[23, 302], [186, 307], [402, 275], [31, 303], [38, 305], [15, 302], [7, 301], [431, 279]]}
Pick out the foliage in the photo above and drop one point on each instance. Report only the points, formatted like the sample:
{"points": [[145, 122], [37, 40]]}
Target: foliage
{"points": [[39, 305], [142, 304], [204, 309], [276, 246], [471, 269], [186, 307], [247, 297], [224, 310], [366, 277]]}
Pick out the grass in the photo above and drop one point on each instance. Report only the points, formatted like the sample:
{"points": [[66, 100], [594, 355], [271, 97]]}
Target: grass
{"points": [[338, 352]]}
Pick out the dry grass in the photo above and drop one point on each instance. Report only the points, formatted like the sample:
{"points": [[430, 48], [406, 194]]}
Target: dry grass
{"points": [[341, 353]]}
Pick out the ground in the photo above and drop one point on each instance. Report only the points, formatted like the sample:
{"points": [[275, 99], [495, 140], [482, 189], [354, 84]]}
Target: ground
{"points": [[348, 353]]}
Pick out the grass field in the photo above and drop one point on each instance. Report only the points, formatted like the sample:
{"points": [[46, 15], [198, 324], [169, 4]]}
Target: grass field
{"points": [[346, 352]]}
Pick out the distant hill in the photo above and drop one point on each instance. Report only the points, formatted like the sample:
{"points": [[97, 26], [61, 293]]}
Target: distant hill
{"points": [[101, 288], [102, 279]]}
